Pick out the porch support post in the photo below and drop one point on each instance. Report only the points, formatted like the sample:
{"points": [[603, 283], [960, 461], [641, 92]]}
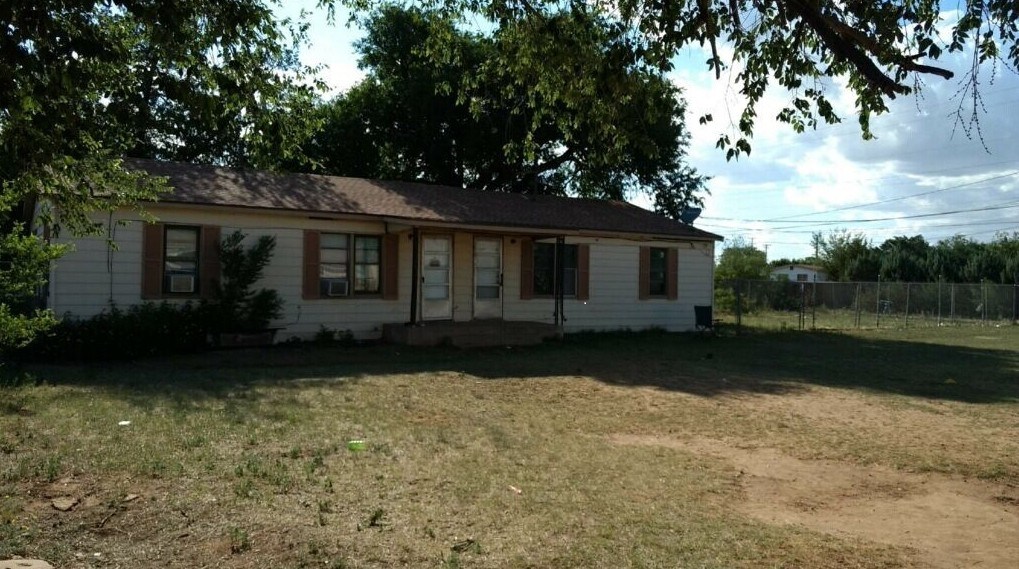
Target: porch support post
{"points": [[415, 274], [560, 275]]}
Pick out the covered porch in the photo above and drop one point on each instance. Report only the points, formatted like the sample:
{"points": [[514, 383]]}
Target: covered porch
{"points": [[467, 281]]}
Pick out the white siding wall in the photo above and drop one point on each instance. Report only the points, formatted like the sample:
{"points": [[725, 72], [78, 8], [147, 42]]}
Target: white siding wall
{"points": [[88, 279], [614, 301], [81, 281]]}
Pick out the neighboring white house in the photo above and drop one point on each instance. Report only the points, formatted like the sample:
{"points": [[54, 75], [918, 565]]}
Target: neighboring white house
{"points": [[799, 273], [355, 254]]}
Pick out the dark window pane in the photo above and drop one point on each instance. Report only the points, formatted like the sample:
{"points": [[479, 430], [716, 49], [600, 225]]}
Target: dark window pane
{"points": [[333, 269], [367, 264], [333, 241], [180, 260], [545, 269], [657, 280], [569, 282], [570, 270]]}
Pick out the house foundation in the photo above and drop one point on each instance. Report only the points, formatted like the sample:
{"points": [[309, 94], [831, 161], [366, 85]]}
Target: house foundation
{"points": [[475, 333]]}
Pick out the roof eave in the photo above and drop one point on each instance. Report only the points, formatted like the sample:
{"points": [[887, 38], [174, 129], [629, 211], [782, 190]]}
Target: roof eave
{"points": [[522, 229]]}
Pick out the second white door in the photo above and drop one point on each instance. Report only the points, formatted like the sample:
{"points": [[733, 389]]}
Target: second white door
{"points": [[487, 278]]}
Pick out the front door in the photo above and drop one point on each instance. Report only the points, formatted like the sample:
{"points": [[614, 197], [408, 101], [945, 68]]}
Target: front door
{"points": [[436, 270], [487, 278]]}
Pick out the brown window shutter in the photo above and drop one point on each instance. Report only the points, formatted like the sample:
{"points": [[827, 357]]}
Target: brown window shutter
{"points": [[152, 261], [526, 268], [583, 272], [644, 274], [310, 288], [672, 276], [390, 267], [209, 271]]}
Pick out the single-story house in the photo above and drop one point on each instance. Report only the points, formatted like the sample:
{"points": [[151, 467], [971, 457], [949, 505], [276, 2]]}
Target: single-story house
{"points": [[799, 273], [376, 257]]}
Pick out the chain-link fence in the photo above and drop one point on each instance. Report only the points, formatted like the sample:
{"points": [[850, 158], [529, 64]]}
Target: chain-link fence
{"points": [[807, 305]]}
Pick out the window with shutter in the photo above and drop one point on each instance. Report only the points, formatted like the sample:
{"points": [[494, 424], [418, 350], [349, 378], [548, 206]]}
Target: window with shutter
{"points": [[342, 265], [658, 270], [179, 261]]}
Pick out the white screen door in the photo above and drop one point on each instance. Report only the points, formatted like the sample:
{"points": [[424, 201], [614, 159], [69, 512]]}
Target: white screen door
{"points": [[487, 278], [436, 265]]}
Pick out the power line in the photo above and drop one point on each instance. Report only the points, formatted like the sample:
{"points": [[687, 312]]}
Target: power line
{"points": [[890, 200], [884, 230], [1006, 205], [995, 231]]}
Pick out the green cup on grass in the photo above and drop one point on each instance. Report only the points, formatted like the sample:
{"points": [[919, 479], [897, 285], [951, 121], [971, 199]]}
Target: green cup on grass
{"points": [[355, 445]]}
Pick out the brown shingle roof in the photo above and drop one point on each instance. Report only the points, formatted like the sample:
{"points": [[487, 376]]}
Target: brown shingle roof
{"points": [[210, 185]]}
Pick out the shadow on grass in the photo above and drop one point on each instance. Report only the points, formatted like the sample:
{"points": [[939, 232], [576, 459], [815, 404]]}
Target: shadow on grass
{"points": [[759, 362]]}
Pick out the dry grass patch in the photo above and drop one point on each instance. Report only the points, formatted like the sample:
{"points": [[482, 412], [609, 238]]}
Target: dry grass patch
{"points": [[493, 458]]}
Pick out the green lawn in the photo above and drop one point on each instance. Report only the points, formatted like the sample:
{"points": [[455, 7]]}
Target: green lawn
{"points": [[490, 458]]}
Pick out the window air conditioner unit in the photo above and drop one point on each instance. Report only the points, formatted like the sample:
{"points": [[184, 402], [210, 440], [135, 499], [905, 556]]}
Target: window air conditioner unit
{"points": [[337, 288], [182, 283]]}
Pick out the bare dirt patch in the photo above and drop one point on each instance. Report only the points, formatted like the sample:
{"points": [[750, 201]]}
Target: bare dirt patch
{"points": [[950, 522], [945, 436]]}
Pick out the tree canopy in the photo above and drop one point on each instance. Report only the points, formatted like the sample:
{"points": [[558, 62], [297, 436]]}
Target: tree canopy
{"points": [[879, 50], [88, 82], [740, 260], [448, 106], [92, 81]]}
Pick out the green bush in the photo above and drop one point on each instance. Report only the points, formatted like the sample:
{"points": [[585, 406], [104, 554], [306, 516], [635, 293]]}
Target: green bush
{"points": [[725, 299], [238, 307], [143, 330], [24, 264]]}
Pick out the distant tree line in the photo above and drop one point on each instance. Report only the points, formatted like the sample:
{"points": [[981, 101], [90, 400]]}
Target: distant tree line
{"points": [[848, 256], [851, 256]]}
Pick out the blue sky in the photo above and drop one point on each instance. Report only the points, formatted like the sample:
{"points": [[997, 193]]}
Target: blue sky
{"points": [[921, 166]]}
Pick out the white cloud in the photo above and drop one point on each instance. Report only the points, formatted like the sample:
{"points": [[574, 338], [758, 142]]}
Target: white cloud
{"points": [[918, 149], [828, 179]]}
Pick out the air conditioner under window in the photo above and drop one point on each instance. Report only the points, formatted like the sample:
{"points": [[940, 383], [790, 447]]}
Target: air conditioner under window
{"points": [[182, 283], [337, 288]]}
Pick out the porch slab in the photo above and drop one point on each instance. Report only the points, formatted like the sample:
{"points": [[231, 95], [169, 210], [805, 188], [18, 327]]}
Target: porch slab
{"points": [[475, 333]]}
